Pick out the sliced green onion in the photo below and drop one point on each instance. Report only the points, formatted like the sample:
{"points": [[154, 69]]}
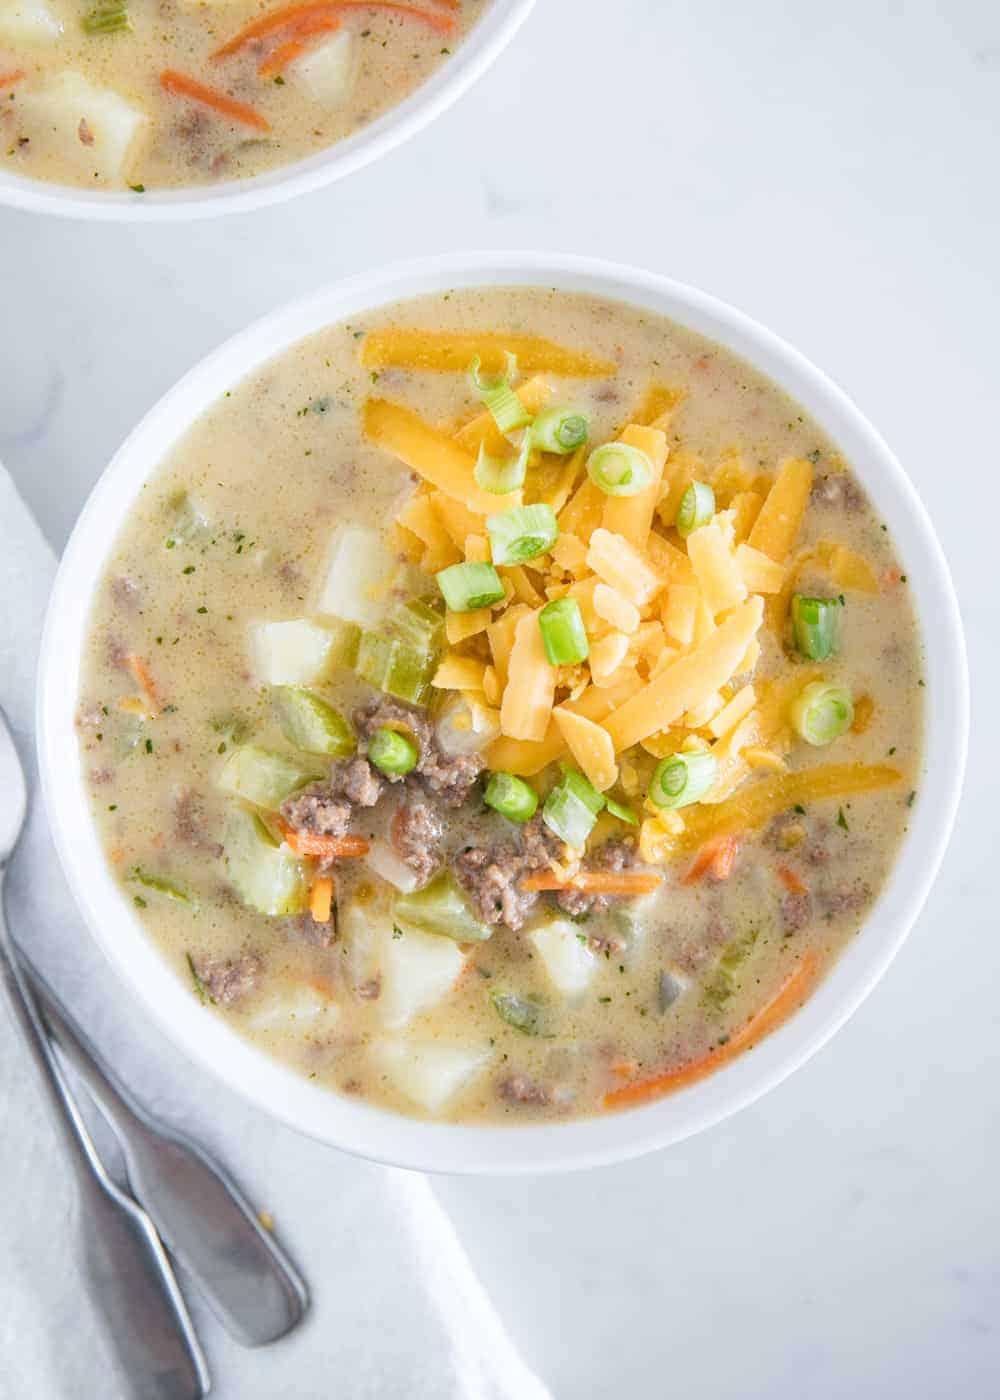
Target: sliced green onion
{"points": [[392, 752], [815, 626], [441, 908], [581, 787], [395, 668], [501, 477], [512, 797], [620, 470], [563, 633], [571, 808], [469, 586], [619, 810], [683, 778], [107, 19], [570, 819], [524, 1015], [560, 430], [521, 533], [499, 397], [822, 713], [312, 725], [696, 508]]}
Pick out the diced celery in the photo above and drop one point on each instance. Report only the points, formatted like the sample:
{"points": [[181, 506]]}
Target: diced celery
{"points": [[265, 875], [161, 885], [394, 667], [418, 624], [358, 576], [188, 521], [310, 724], [262, 777], [441, 908], [299, 652], [523, 1014]]}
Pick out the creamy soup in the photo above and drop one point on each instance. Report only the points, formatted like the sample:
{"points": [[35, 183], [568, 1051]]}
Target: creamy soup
{"points": [[127, 94], [505, 706]]}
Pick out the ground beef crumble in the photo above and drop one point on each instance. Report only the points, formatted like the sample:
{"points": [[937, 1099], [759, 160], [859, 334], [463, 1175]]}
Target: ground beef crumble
{"points": [[491, 875], [616, 855], [417, 831], [228, 979], [449, 778]]}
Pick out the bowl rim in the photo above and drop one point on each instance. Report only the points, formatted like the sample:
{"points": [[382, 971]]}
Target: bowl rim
{"points": [[361, 1128], [485, 42]]}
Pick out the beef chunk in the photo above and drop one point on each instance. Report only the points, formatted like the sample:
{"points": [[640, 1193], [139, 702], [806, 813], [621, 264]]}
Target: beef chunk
{"points": [[615, 855], [839, 490], [319, 810], [519, 1089], [189, 822], [849, 899], [357, 781], [795, 908], [492, 874], [227, 979], [417, 830], [450, 778]]}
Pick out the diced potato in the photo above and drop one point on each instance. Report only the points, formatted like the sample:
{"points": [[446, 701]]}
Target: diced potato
{"points": [[387, 865], [50, 114], [358, 577], [327, 71], [465, 725], [418, 970], [292, 653], [428, 1073], [27, 21], [299, 1007], [565, 955], [365, 927]]}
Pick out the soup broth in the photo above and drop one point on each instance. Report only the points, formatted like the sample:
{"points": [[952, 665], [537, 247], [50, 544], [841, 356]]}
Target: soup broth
{"points": [[291, 702], [127, 94]]}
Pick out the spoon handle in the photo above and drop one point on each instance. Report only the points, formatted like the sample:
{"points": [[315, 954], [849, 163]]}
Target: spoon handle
{"points": [[126, 1270], [199, 1211]]}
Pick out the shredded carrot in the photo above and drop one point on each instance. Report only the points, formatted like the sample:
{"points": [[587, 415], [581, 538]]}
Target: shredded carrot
{"points": [[716, 858], [291, 14], [279, 59], [595, 882], [864, 713], [180, 85], [9, 79], [625, 1069], [789, 996], [321, 900], [144, 680], [791, 881], [310, 843]]}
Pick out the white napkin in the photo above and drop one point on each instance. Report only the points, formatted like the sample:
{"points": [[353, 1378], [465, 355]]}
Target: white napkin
{"points": [[396, 1308]]}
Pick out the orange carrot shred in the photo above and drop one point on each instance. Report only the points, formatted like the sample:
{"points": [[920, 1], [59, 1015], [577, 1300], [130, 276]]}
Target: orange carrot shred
{"points": [[596, 882], [789, 996], [791, 881], [9, 79], [144, 680], [864, 713], [310, 843], [180, 85], [289, 14], [716, 858], [321, 900], [279, 58]]}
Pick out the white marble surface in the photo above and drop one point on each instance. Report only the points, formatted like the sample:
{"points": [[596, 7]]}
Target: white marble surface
{"points": [[832, 170]]}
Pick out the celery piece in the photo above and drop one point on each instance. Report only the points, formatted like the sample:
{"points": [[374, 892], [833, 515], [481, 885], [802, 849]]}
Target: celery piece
{"points": [[310, 724], [395, 667], [188, 521], [521, 1013], [441, 908], [160, 884], [265, 875], [417, 623], [346, 638], [262, 777], [107, 19]]}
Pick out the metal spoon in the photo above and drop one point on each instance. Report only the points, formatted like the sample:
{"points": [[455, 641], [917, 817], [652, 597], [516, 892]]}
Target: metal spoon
{"points": [[202, 1217], [126, 1269]]}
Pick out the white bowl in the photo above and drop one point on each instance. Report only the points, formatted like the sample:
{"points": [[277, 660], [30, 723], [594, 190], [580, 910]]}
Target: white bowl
{"points": [[357, 1126], [484, 43]]}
